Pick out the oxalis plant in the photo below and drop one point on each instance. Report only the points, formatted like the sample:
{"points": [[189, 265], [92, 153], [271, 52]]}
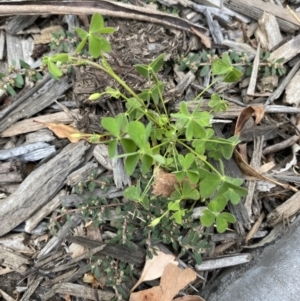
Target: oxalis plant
{"points": [[181, 143]]}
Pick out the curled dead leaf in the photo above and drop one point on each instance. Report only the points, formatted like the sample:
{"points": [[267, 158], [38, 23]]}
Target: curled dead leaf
{"points": [[250, 171], [245, 114]]}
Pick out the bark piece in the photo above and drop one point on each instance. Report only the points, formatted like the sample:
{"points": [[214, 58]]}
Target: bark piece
{"points": [[32, 287], [240, 47], [2, 47], [268, 32], [29, 152], [255, 163], [12, 177], [269, 131], [285, 210], [224, 16], [17, 262], [61, 277], [49, 207], [40, 186], [40, 136], [223, 262], [27, 125], [283, 84], [82, 174], [255, 9], [255, 227], [253, 78], [281, 145], [123, 253], [60, 235], [5, 296], [214, 28], [121, 178], [35, 100], [16, 241], [272, 236], [101, 155], [18, 49], [81, 291], [292, 91], [288, 50], [19, 23]]}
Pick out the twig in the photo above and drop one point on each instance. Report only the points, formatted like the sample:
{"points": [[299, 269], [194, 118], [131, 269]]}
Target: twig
{"points": [[282, 145], [251, 87], [255, 227], [293, 14]]}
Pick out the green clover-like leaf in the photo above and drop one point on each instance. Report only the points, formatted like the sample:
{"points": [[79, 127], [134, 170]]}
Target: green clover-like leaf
{"points": [[221, 223], [209, 183], [131, 163], [111, 125], [132, 193], [208, 218], [218, 204], [137, 133], [97, 23]]}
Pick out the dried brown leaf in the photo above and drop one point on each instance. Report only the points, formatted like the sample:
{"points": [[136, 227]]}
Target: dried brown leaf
{"points": [[172, 281], [204, 39], [245, 114], [62, 130], [154, 267], [243, 151], [164, 183], [244, 166], [250, 171]]}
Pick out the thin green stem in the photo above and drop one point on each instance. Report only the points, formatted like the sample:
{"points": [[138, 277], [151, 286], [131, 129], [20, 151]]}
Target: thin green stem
{"points": [[148, 185], [160, 94], [107, 69], [200, 94], [110, 71], [200, 158]]}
